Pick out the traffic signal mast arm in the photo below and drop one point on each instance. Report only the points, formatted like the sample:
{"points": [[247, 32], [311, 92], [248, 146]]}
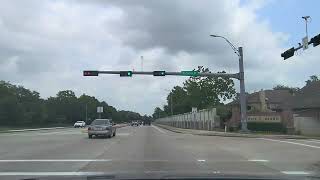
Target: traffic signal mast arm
{"points": [[182, 73], [290, 52]]}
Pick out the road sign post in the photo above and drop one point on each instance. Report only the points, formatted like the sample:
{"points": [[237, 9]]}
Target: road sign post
{"points": [[99, 111]]}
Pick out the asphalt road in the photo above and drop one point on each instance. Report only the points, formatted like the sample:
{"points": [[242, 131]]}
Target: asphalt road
{"points": [[152, 150]]}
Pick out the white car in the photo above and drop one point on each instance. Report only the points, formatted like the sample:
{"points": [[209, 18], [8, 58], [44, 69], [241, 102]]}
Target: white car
{"points": [[79, 124]]}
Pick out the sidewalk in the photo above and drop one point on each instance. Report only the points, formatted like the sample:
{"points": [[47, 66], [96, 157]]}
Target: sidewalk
{"points": [[34, 129], [230, 134]]}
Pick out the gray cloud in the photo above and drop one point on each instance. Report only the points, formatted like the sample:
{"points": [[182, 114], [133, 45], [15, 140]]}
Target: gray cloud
{"points": [[45, 46]]}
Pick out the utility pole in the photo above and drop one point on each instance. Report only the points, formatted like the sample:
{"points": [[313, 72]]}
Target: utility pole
{"points": [[243, 101], [306, 19]]}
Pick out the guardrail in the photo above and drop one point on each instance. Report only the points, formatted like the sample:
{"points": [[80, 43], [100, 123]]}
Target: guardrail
{"points": [[206, 119]]}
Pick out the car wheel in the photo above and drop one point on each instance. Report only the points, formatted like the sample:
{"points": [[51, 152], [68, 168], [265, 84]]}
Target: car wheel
{"points": [[90, 136]]}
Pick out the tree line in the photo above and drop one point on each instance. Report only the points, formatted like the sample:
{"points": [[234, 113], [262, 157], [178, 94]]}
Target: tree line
{"points": [[22, 107], [200, 92]]}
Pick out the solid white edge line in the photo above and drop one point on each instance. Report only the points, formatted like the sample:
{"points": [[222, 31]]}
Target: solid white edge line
{"points": [[309, 141], [50, 173], [289, 142], [295, 172], [158, 129], [55, 160]]}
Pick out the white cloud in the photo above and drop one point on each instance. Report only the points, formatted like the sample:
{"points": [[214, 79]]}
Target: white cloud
{"points": [[45, 45]]}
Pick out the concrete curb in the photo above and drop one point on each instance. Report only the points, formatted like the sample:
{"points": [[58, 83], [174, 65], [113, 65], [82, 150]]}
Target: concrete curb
{"points": [[228, 134], [36, 129]]}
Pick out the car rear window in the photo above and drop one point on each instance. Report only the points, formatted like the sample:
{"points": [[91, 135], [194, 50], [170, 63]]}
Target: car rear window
{"points": [[100, 122]]}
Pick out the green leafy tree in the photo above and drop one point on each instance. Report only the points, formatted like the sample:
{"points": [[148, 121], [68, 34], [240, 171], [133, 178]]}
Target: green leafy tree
{"points": [[158, 113], [313, 78], [200, 92], [284, 87]]}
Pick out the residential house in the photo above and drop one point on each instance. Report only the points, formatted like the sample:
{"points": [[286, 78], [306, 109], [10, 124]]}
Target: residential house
{"points": [[299, 112], [267, 106], [306, 108]]}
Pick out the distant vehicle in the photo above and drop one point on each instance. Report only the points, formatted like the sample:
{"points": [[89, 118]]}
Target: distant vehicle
{"points": [[147, 123], [134, 123], [79, 124], [101, 127]]}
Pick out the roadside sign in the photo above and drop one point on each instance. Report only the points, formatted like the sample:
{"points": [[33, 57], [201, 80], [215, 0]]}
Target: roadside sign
{"points": [[100, 109], [190, 73]]}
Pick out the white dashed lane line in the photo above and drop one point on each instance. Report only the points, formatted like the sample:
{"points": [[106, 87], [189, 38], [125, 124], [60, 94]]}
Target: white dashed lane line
{"points": [[296, 172], [258, 160]]}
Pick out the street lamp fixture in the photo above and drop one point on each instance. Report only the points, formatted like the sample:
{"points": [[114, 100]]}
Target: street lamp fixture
{"points": [[243, 103], [236, 50]]}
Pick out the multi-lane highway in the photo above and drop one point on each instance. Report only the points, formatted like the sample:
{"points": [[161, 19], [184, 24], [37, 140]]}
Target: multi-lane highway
{"points": [[152, 150]]}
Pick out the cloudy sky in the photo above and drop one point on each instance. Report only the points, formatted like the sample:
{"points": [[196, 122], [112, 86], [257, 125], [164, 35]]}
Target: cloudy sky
{"points": [[45, 45]]}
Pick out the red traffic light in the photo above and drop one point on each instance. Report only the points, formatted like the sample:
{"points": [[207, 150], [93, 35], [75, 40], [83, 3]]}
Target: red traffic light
{"points": [[90, 73]]}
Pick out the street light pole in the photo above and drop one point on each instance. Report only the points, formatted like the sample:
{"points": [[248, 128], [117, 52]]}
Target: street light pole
{"points": [[243, 101]]}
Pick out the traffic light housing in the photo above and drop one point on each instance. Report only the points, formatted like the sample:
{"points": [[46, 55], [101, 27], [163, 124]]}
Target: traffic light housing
{"points": [[315, 40], [90, 73], [288, 53], [125, 73], [159, 73]]}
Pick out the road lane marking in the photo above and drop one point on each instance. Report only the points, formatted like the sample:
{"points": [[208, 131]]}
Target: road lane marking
{"points": [[258, 160], [51, 173], [158, 129], [310, 141], [296, 172], [201, 160], [122, 134], [55, 160], [289, 142]]}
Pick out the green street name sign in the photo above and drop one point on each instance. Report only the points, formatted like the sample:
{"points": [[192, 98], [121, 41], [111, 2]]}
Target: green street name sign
{"points": [[190, 73]]}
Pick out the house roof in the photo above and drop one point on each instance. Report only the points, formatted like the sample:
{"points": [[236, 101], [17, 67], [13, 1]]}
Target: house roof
{"points": [[272, 96], [307, 97]]}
